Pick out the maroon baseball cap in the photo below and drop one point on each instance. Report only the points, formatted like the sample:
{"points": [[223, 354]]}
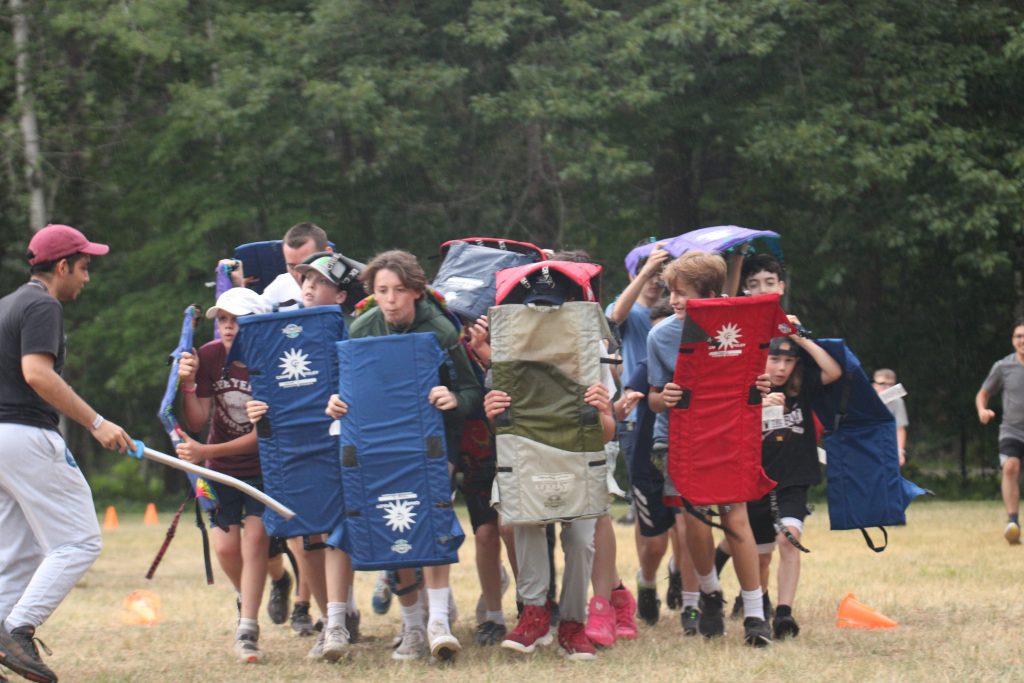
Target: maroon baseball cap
{"points": [[55, 242]]}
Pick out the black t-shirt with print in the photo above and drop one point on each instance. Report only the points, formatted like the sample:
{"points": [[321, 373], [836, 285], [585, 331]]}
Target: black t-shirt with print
{"points": [[790, 454]]}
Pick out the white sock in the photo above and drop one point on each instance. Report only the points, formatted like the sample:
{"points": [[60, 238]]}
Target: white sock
{"points": [[709, 584], [672, 564], [350, 606], [412, 616], [753, 604], [335, 614], [438, 604], [691, 599], [497, 616], [646, 582], [247, 626]]}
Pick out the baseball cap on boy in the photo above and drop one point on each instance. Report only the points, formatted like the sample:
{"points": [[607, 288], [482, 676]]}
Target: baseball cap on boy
{"points": [[783, 346], [547, 289], [336, 267], [55, 242], [238, 301]]}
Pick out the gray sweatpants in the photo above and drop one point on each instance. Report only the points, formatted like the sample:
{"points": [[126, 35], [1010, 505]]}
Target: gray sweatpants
{"points": [[535, 574], [49, 535]]}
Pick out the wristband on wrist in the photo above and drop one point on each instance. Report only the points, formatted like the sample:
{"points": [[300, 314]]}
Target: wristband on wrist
{"points": [[188, 390], [97, 422]]}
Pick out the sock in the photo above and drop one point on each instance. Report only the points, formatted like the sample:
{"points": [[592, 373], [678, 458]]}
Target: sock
{"points": [[247, 626], [783, 611], [350, 606], [438, 604], [412, 616], [497, 616], [672, 569], [1014, 517], [335, 614], [709, 584], [691, 599], [721, 559], [644, 582], [753, 603]]}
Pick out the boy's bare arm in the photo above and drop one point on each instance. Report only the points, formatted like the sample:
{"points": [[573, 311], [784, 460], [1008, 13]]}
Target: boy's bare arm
{"points": [[985, 414]]}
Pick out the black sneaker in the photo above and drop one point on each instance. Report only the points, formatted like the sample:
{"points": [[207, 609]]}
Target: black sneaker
{"points": [[785, 626], [674, 594], [18, 652], [352, 624], [280, 596], [302, 623], [648, 606], [690, 617], [490, 633], [756, 632], [711, 623], [768, 611], [737, 607]]}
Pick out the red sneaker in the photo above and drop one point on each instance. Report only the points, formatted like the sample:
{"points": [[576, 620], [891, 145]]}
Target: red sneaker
{"points": [[601, 621], [625, 613], [533, 629], [574, 643]]}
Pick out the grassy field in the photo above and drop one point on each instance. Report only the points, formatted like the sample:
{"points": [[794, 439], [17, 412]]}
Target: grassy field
{"points": [[948, 578]]}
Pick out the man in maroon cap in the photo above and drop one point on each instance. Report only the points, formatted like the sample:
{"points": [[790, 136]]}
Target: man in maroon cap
{"points": [[50, 533]]}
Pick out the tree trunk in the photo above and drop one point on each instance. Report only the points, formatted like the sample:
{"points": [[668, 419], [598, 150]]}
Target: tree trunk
{"points": [[29, 124]]}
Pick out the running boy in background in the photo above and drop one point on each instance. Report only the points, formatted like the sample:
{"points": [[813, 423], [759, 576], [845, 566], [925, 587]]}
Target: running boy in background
{"points": [[883, 379], [700, 275], [210, 397], [1007, 378]]}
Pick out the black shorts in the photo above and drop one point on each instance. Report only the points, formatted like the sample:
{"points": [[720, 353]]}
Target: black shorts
{"points": [[1011, 448], [233, 505], [647, 490], [792, 501]]}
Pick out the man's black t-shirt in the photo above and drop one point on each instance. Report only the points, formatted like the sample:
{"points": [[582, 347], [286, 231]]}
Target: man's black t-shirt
{"points": [[31, 321], [790, 454]]}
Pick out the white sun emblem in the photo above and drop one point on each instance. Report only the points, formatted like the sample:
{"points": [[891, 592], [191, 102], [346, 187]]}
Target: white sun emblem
{"points": [[398, 515], [728, 336], [294, 364]]}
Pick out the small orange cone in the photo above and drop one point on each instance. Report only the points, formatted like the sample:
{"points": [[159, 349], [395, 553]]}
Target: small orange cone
{"points": [[855, 614], [150, 518], [110, 523]]}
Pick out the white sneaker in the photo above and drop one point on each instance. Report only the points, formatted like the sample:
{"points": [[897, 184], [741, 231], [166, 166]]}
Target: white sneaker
{"points": [[335, 643], [317, 651], [247, 648], [1012, 533], [443, 644], [413, 645]]}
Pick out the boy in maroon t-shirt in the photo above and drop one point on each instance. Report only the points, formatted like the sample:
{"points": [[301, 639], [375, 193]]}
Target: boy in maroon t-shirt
{"points": [[231, 448]]}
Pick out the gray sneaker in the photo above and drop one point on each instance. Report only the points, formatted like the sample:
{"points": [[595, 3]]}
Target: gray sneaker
{"points": [[247, 648], [302, 623], [280, 597], [413, 645], [352, 624], [317, 651], [18, 653], [335, 642], [443, 644]]}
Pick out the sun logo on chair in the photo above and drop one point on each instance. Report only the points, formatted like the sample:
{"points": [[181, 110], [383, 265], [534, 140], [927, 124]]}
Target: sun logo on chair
{"points": [[398, 515], [729, 336], [295, 363]]}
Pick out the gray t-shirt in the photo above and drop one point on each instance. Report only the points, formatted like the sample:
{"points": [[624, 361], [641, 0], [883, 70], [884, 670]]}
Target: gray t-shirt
{"points": [[1007, 377], [31, 321]]}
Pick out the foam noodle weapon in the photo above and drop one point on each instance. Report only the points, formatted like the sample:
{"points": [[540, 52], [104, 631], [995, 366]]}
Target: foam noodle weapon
{"points": [[142, 451]]}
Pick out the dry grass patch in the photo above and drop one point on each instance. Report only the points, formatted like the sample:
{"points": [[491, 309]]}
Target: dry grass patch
{"points": [[948, 577]]}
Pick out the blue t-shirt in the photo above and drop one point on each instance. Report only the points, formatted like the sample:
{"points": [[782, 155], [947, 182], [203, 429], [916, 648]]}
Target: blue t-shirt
{"points": [[662, 352], [645, 417], [633, 332]]}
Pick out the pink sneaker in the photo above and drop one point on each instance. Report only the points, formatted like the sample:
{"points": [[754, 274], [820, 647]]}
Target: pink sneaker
{"points": [[625, 613], [601, 621]]}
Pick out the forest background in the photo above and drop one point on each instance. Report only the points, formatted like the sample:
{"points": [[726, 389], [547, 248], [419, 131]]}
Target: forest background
{"points": [[884, 140]]}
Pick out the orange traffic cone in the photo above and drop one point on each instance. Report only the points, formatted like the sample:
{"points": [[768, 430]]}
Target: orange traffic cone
{"points": [[150, 518], [855, 614], [110, 523]]}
